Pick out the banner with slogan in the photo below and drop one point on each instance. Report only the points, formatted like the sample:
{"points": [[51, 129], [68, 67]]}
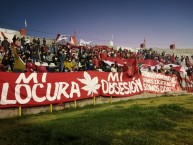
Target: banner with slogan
{"points": [[159, 83], [37, 89]]}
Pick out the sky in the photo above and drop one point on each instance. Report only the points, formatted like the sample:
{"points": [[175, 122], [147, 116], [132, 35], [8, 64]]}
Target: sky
{"points": [[126, 22]]}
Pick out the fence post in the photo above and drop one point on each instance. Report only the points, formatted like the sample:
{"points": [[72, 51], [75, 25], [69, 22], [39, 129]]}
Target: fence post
{"points": [[75, 104], [111, 99], [19, 111], [94, 101], [51, 108]]}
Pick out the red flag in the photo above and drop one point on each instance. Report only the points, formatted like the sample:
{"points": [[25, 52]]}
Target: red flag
{"points": [[133, 69], [136, 68], [172, 59], [41, 69], [3, 35]]}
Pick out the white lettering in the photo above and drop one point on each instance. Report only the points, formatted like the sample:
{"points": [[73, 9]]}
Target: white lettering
{"points": [[48, 91], [22, 77], [18, 93], [4, 92], [34, 94], [74, 90]]}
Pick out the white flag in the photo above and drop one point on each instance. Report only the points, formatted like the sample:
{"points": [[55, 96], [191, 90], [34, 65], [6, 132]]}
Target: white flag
{"points": [[25, 23], [111, 43], [84, 43]]}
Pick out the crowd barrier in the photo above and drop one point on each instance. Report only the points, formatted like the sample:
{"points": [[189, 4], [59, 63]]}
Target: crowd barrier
{"points": [[31, 93]]}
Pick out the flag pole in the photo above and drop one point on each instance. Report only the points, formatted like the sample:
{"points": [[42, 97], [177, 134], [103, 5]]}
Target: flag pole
{"points": [[25, 23]]}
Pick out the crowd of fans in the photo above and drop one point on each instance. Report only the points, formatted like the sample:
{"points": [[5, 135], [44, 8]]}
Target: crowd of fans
{"points": [[68, 58]]}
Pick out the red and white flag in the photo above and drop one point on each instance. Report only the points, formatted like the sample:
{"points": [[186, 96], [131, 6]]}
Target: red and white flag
{"points": [[73, 40], [61, 39]]}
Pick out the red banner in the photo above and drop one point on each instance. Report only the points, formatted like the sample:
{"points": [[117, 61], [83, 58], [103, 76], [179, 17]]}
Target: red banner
{"points": [[37, 89], [159, 83]]}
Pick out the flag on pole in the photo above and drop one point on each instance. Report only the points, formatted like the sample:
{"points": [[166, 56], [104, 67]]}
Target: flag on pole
{"points": [[25, 23], [73, 40], [61, 39]]}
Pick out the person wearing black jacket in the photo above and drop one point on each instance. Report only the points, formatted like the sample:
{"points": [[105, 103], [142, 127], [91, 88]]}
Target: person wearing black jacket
{"points": [[5, 44]]}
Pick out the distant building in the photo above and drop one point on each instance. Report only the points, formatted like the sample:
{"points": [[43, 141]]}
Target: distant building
{"points": [[172, 46], [142, 45]]}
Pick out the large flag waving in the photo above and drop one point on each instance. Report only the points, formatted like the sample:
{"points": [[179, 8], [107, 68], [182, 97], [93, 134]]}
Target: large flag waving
{"points": [[61, 39], [133, 69], [172, 59], [84, 43], [73, 40]]}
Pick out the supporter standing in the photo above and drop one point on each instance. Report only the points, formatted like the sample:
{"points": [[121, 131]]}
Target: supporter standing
{"points": [[38, 42], [125, 67], [62, 57], [68, 65], [82, 65], [34, 41], [155, 69], [44, 42], [2, 67], [23, 41], [34, 54], [5, 61], [113, 68], [5, 44], [149, 69], [89, 65], [162, 70], [14, 39], [95, 62]]}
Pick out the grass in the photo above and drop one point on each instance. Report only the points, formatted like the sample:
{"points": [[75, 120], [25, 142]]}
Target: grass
{"points": [[154, 121]]}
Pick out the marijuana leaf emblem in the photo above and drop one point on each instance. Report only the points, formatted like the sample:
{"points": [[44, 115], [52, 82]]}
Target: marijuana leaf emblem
{"points": [[91, 85]]}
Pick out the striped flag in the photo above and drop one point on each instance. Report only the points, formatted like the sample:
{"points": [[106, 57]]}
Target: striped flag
{"points": [[73, 40]]}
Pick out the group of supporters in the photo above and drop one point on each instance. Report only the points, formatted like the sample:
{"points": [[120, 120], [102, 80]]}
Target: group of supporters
{"points": [[21, 55]]}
